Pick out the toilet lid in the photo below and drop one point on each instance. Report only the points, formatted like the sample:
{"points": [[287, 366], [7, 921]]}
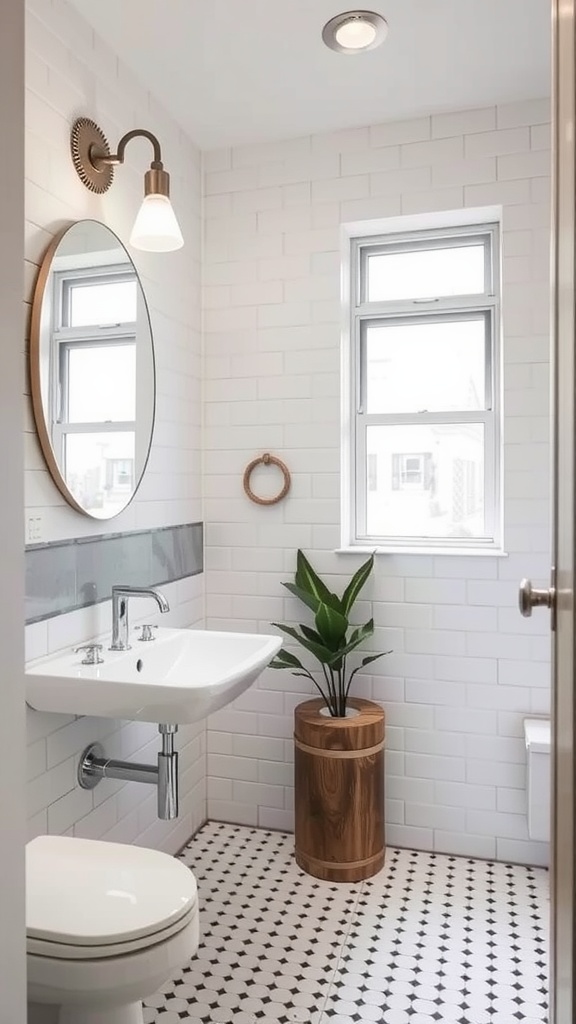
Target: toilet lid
{"points": [[89, 893]]}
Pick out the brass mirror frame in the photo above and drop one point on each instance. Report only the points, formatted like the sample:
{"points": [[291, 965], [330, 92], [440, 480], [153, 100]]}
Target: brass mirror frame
{"points": [[34, 369]]}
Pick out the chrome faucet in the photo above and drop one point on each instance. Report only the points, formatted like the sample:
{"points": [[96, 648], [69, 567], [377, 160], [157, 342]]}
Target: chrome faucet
{"points": [[120, 596]]}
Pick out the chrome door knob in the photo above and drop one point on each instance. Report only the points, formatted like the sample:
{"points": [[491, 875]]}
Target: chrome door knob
{"points": [[529, 598]]}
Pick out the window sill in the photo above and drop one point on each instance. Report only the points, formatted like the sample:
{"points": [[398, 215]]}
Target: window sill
{"points": [[362, 549]]}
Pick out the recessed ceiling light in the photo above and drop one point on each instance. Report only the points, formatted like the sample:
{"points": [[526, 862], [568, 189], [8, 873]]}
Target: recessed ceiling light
{"points": [[355, 31]]}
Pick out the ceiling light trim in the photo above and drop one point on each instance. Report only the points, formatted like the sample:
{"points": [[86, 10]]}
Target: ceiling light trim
{"points": [[376, 21]]}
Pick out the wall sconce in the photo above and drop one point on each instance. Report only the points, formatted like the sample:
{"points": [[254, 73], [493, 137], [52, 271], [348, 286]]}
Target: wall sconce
{"points": [[155, 228]]}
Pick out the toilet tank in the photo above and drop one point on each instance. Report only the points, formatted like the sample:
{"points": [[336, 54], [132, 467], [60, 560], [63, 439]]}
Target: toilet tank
{"points": [[537, 735]]}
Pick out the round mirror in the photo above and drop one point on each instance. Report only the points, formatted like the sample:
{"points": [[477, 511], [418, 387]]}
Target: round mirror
{"points": [[92, 369]]}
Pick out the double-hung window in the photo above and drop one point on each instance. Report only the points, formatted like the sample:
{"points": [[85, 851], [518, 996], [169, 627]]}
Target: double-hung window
{"points": [[93, 383], [424, 387]]}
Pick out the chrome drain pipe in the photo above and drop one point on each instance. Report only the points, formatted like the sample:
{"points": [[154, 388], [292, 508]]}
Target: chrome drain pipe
{"points": [[95, 766], [167, 774]]}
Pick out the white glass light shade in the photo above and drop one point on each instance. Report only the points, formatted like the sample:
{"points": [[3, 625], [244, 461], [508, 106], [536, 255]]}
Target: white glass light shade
{"points": [[156, 228], [355, 31], [355, 34]]}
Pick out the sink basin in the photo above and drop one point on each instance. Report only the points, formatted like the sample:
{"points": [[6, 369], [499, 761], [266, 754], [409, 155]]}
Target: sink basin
{"points": [[180, 677]]}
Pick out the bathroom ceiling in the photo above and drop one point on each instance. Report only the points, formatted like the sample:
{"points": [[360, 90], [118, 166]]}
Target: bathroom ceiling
{"points": [[235, 71]]}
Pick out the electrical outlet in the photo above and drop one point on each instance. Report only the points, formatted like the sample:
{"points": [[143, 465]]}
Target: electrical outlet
{"points": [[34, 528]]}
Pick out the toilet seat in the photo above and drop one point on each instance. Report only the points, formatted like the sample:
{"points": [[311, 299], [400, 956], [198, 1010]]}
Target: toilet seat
{"points": [[69, 951], [88, 899]]}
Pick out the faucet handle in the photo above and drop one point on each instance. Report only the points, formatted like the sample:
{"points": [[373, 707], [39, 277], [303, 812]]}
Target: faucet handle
{"points": [[92, 656], [147, 633]]}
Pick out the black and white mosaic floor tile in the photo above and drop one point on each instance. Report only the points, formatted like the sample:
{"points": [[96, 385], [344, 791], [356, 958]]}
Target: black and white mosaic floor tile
{"points": [[430, 939]]}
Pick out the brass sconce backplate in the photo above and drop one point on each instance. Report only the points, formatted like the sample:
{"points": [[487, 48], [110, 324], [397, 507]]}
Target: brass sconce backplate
{"points": [[87, 141]]}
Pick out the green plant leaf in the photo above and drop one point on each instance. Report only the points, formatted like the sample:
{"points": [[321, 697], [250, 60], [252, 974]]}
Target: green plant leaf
{"points": [[285, 659], [323, 654], [362, 632], [332, 626], [311, 634], [303, 595], [355, 585], [308, 580], [372, 657], [356, 639], [290, 630], [333, 637], [365, 661]]}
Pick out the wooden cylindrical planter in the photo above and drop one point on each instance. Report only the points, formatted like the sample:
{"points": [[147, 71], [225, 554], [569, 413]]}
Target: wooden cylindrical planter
{"points": [[339, 791]]}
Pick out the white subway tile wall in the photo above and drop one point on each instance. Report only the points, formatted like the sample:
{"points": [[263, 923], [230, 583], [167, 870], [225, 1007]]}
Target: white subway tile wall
{"points": [[70, 72], [465, 668]]}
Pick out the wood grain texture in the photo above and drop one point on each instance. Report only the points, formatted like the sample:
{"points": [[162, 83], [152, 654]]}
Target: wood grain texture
{"points": [[339, 791]]}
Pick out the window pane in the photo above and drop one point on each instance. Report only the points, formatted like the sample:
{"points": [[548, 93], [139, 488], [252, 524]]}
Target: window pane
{"points": [[108, 302], [100, 470], [437, 366], [426, 481], [426, 273], [101, 382]]}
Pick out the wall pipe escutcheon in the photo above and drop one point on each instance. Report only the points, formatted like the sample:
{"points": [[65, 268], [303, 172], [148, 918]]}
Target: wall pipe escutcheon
{"points": [[95, 766]]}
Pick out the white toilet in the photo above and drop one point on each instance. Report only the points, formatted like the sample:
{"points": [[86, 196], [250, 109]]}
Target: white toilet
{"points": [[537, 735], [107, 925]]}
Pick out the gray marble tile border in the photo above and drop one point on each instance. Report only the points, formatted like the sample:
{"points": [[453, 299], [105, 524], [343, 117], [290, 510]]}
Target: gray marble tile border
{"points": [[63, 576]]}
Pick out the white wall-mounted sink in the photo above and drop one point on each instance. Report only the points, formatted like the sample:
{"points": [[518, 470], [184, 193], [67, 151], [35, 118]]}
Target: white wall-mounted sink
{"points": [[180, 677]]}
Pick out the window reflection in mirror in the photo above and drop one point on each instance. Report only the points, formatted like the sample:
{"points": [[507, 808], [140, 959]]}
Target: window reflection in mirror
{"points": [[92, 369]]}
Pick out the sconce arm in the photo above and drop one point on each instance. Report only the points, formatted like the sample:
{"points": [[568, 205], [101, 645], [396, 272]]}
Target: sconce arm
{"points": [[100, 160], [95, 164]]}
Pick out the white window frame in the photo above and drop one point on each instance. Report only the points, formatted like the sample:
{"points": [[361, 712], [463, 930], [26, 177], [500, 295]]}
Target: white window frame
{"points": [[64, 338], [359, 241]]}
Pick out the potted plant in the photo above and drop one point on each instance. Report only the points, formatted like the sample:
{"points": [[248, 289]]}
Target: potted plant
{"points": [[333, 639], [339, 740]]}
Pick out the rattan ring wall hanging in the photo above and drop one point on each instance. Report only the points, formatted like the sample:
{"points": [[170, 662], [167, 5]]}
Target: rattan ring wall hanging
{"points": [[266, 460]]}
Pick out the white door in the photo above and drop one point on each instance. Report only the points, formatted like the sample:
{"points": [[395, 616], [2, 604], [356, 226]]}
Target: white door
{"points": [[560, 597], [564, 377]]}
